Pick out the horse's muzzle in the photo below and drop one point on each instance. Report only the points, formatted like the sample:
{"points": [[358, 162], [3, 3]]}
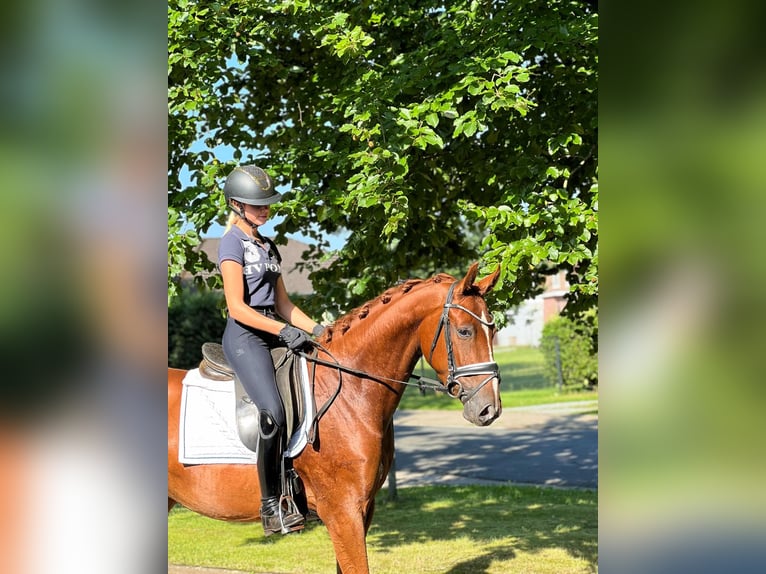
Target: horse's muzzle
{"points": [[481, 410]]}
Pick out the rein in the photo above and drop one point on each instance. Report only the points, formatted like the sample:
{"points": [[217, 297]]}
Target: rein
{"points": [[453, 387], [422, 382]]}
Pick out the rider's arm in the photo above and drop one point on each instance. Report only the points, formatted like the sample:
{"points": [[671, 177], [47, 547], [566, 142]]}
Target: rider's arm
{"points": [[289, 311]]}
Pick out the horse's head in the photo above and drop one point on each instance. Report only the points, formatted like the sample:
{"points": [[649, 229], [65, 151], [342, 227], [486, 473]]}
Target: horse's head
{"points": [[457, 342]]}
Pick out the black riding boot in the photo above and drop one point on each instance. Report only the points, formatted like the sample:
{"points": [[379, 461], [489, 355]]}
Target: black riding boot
{"points": [[275, 517]]}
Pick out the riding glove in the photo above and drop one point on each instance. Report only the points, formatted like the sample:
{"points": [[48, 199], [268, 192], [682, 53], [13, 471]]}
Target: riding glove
{"points": [[293, 337], [317, 331]]}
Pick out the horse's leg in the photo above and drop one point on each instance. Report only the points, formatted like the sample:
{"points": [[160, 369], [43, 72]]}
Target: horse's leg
{"points": [[347, 525], [171, 504], [350, 519], [367, 523], [368, 516]]}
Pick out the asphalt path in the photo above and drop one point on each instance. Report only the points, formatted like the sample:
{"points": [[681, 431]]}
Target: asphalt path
{"points": [[549, 445]]}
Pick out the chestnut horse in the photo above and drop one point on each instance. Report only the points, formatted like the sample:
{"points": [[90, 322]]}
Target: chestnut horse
{"points": [[443, 319]]}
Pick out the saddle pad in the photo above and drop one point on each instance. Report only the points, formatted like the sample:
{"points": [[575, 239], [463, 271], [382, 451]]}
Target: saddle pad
{"points": [[208, 429], [207, 432]]}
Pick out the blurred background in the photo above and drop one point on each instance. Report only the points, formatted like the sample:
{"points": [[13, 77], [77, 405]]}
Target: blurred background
{"points": [[82, 315], [682, 118], [83, 321]]}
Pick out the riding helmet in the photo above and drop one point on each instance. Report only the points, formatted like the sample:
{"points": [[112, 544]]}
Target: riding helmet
{"points": [[250, 184]]}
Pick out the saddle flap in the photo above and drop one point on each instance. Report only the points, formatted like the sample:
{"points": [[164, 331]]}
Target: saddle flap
{"points": [[288, 383]]}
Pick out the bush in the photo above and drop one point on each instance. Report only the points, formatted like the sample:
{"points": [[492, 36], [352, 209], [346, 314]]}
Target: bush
{"points": [[194, 317], [579, 363]]}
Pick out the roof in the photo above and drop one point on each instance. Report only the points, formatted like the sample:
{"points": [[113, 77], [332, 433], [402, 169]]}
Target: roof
{"points": [[296, 280]]}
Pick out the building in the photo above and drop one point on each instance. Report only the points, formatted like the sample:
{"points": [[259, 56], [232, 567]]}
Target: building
{"points": [[525, 324]]}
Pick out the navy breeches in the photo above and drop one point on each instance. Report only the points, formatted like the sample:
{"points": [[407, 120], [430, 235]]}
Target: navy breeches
{"points": [[248, 353]]}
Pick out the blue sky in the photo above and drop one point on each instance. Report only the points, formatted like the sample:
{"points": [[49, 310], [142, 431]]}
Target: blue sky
{"points": [[226, 153]]}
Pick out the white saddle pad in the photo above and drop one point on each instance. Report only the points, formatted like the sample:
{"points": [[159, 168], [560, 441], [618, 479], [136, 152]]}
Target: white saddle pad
{"points": [[208, 428]]}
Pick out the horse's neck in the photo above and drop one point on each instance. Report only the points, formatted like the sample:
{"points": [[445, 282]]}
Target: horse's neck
{"points": [[386, 344]]}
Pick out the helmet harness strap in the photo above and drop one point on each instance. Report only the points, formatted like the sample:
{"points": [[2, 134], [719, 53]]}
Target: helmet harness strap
{"points": [[241, 213]]}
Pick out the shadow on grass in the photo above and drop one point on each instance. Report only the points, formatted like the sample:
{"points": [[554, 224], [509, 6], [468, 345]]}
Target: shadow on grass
{"points": [[275, 539], [458, 530], [481, 564], [500, 520]]}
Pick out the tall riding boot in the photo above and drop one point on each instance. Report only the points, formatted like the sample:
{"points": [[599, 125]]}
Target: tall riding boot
{"points": [[275, 517]]}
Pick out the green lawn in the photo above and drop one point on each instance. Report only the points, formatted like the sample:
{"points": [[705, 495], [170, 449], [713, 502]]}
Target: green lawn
{"points": [[429, 529], [523, 384]]}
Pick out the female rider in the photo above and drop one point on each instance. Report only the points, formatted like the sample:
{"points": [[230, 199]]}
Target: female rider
{"points": [[258, 306]]}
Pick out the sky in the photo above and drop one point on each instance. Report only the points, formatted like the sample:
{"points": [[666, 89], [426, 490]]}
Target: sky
{"points": [[226, 153]]}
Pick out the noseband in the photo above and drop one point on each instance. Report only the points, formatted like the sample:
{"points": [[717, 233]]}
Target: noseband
{"points": [[453, 384]]}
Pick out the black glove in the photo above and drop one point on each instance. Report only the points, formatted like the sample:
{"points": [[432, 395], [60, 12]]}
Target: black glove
{"points": [[294, 338], [317, 331]]}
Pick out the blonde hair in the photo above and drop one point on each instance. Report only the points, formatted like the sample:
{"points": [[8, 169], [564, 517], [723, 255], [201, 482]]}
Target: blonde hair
{"points": [[233, 217]]}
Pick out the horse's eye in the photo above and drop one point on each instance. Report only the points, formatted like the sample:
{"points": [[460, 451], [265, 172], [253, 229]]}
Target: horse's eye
{"points": [[464, 332]]}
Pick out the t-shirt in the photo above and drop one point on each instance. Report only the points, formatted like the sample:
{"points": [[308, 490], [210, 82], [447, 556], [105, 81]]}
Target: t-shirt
{"points": [[261, 265]]}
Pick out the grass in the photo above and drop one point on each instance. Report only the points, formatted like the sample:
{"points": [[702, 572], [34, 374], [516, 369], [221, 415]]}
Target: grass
{"points": [[523, 384], [429, 529]]}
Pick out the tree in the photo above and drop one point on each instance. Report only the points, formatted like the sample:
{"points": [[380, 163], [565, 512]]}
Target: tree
{"points": [[436, 133]]}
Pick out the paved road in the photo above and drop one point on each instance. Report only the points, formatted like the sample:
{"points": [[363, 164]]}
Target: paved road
{"points": [[551, 445]]}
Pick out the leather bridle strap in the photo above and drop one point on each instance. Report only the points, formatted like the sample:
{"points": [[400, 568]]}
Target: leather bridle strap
{"points": [[454, 386]]}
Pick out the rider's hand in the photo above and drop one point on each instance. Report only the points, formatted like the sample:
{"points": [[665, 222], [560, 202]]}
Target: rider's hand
{"points": [[317, 331], [294, 338]]}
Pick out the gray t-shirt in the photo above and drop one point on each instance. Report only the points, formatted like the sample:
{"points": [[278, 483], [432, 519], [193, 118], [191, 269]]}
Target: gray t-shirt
{"points": [[261, 265]]}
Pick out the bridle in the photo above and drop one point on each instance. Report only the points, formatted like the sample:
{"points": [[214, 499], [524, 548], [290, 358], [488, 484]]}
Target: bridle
{"points": [[454, 373], [454, 387]]}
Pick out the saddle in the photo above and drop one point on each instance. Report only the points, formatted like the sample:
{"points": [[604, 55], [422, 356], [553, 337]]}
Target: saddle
{"points": [[294, 391], [297, 399]]}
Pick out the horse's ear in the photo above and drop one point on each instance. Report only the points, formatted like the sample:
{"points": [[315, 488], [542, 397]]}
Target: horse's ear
{"points": [[466, 283], [486, 284]]}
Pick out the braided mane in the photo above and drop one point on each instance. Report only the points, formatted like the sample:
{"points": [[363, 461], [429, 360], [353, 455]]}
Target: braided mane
{"points": [[395, 293]]}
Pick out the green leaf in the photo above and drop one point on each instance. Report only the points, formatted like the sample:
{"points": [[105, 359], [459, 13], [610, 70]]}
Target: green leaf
{"points": [[409, 132]]}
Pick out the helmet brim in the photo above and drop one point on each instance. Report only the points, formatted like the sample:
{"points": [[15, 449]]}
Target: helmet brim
{"points": [[265, 201]]}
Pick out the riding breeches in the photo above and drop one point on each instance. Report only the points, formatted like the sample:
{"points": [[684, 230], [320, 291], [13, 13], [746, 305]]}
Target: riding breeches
{"points": [[248, 353]]}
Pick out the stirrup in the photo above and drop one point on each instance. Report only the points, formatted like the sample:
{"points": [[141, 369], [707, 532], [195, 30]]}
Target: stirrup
{"points": [[285, 518]]}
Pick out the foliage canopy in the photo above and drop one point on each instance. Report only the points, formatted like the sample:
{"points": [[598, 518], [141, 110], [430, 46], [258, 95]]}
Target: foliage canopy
{"points": [[436, 133]]}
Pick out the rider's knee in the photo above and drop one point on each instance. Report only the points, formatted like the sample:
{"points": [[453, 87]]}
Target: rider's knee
{"points": [[268, 425]]}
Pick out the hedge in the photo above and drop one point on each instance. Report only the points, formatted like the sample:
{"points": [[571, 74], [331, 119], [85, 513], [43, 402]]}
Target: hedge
{"points": [[576, 349], [194, 317]]}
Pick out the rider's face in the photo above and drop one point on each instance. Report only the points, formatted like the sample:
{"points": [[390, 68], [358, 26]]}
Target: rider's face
{"points": [[258, 214]]}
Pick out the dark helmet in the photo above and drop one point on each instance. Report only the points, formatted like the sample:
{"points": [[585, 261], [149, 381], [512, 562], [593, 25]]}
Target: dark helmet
{"points": [[250, 184]]}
